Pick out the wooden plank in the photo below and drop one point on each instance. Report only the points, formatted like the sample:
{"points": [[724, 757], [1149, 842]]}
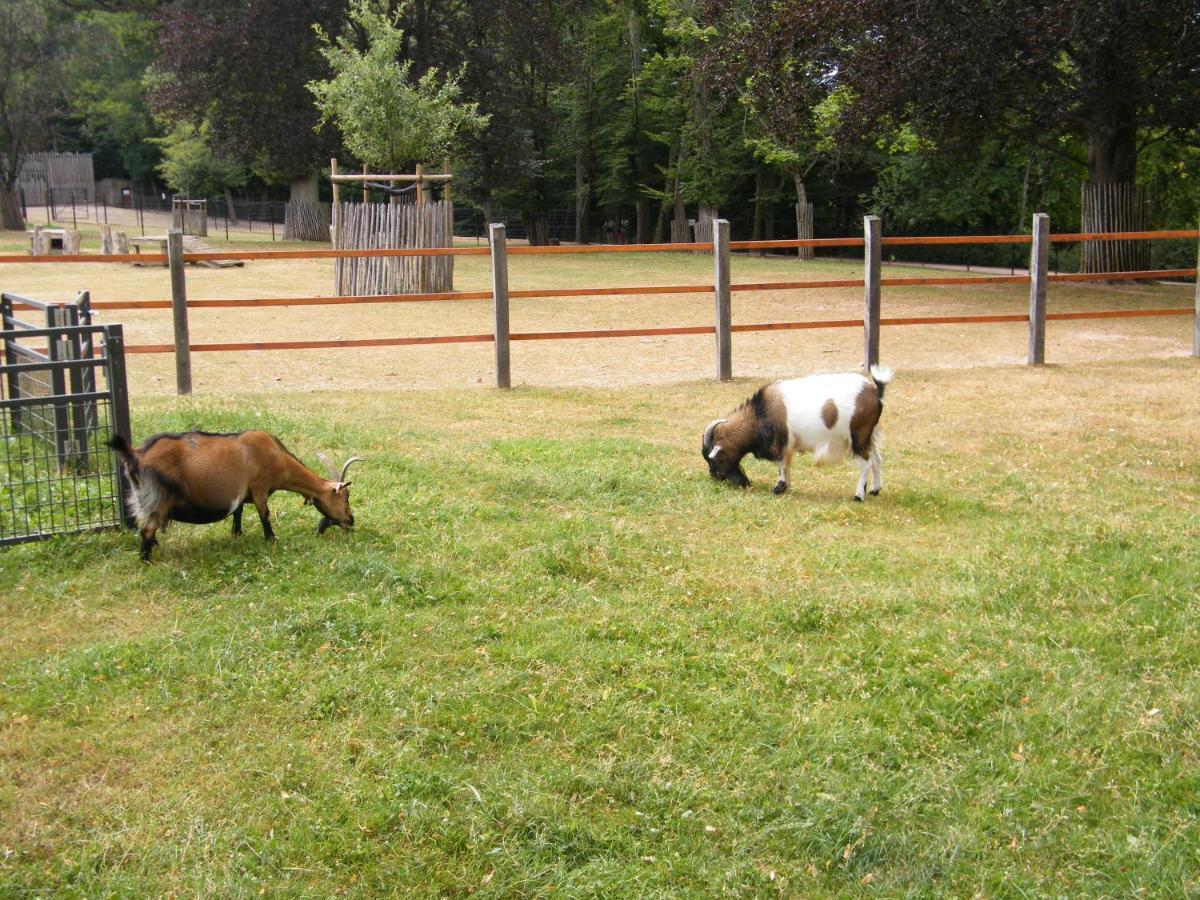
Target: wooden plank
{"points": [[378, 176]]}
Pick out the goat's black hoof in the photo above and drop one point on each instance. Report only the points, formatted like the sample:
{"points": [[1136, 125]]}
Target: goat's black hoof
{"points": [[779, 488], [875, 493], [858, 499]]}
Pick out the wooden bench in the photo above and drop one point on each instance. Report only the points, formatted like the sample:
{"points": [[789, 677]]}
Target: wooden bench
{"points": [[154, 243]]}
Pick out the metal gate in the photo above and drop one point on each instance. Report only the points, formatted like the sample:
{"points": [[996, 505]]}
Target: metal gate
{"points": [[62, 396]]}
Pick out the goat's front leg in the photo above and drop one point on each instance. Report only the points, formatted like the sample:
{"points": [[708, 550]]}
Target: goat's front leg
{"points": [[237, 518], [264, 515], [864, 468], [785, 474]]}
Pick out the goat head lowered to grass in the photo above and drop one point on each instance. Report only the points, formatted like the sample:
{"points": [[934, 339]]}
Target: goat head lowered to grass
{"points": [[201, 477], [828, 415]]}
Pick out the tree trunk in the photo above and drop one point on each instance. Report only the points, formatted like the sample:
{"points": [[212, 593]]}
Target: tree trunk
{"points": [[641, 153], [583, 155], [1111, 201], [756, 233], [230, 212], [10, 211], [643, 219], [679, 225], [804, 218], [664, 209], [582, 198], [537, 228]]}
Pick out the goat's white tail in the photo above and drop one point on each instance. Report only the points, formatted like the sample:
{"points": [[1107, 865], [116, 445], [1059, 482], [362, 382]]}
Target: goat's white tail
{"points": [[881, 374]]}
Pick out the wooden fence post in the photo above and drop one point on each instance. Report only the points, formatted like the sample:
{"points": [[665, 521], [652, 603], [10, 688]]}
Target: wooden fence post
{"points": [[723, 302], [1196, 331], [498, 241], [183, 357], [873, 261], [1039, 259]]}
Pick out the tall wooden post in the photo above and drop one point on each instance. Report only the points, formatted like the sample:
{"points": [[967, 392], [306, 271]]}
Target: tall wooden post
{"points": [[333, 172], [366, 172], [496, 236], [1196, 330], [721, 294], [1039, 261], [183, 357], [873, 261]]}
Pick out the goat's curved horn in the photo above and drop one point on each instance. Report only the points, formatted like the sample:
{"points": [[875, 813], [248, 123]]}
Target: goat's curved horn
{"points": [[708, 432], [328, 466], [351, 461]]}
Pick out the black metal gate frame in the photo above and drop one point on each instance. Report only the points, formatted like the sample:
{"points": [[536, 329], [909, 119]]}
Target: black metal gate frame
{"points": [[72, 399]]}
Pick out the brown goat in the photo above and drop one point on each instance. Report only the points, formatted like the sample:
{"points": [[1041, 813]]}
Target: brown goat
{"points": [[200, 477]]}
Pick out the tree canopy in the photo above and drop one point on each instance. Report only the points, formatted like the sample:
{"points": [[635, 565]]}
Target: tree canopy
{"points": [[388, 118], [942, 115]]}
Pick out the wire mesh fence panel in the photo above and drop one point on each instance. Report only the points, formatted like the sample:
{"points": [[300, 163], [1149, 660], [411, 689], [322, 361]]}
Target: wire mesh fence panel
{"points": [[58, 410]]}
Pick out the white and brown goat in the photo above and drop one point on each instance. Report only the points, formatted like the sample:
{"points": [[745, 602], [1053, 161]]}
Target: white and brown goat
{"points": [[829, 416], [201, 477]]}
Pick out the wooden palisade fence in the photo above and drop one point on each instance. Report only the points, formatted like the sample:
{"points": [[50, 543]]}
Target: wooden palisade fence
{"points": [[418, 224], [306, 220], [1104, 204], [382, 226]]}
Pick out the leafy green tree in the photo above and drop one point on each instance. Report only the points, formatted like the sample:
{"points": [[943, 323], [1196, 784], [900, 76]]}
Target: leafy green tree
{"points": [[31, 40], [107, 59], [189, 165], [1105, 76], [387, 119]]}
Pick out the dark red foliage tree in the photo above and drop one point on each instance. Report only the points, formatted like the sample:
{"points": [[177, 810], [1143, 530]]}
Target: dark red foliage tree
{"points": [[243, 65]]}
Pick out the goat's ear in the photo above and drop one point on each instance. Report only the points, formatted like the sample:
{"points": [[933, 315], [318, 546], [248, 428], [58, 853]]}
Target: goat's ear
{"points": [[712, 454]]}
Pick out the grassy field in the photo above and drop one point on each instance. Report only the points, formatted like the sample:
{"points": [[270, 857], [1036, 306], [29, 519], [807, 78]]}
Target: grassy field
{"points": [[554, 657]]}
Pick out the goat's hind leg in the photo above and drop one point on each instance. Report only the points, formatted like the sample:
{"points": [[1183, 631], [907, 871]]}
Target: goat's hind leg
{"points": [[237, 519], [876, 471], [864, 469], [149, 530]]}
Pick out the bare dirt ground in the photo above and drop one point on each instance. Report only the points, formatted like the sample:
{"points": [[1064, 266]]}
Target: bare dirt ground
{"points": [[607, 362]]}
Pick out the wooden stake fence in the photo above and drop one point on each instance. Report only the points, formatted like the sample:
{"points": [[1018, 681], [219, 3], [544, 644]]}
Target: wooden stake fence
{"points": [[381, 226]]}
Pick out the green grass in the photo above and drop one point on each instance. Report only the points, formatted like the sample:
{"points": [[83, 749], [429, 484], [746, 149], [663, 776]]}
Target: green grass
{"points": [[554, 657]]}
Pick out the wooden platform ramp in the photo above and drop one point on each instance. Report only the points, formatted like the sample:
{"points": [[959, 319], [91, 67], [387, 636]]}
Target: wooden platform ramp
{"points": [[193, 244], [157, 243]]}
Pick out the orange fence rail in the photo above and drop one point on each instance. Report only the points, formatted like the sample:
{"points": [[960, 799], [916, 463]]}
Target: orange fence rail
{"points": [[721, 246]]}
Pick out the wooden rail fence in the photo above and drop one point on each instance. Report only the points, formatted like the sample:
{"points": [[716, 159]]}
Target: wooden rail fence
{"points": [[872, 283]]}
